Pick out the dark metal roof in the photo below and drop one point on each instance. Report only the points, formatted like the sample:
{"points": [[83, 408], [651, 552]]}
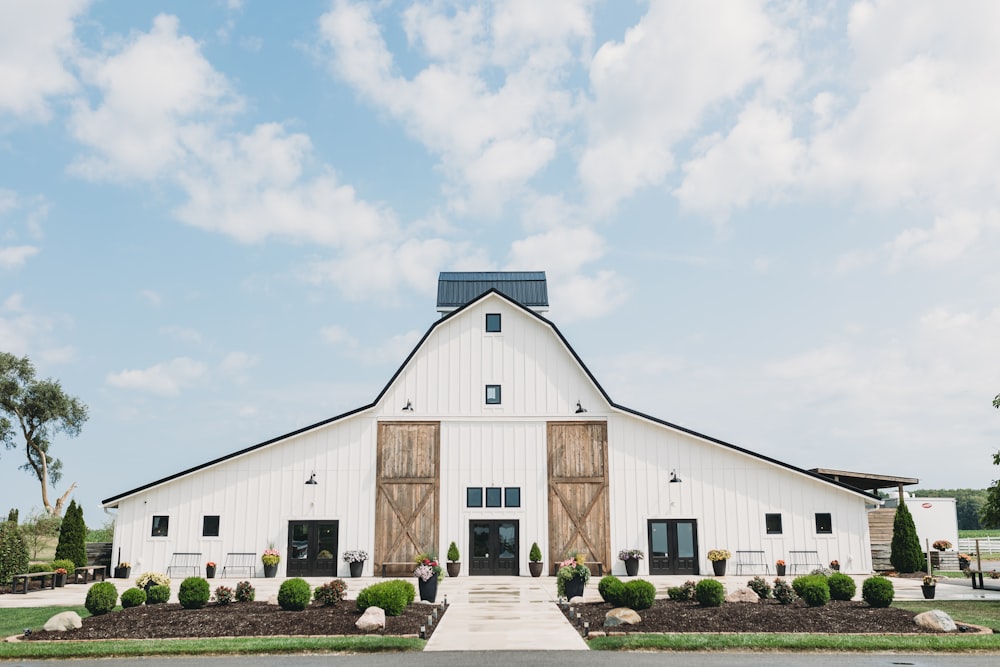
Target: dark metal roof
{"points": [[865, 481], [457, 288]]}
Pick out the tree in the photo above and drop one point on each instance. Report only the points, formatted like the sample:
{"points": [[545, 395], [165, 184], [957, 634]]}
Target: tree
{"points": [[13, 553], [906, 556], [38, 409], [73, 536], [990, 515], [39, 531]]}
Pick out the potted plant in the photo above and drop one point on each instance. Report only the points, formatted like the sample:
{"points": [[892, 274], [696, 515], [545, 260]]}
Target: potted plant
{"points": [[928, 587], [355, 558], [454, 567], [964, 561], [835, 565], [270, 559], [123, 570], [535, 560], [631, 557], [427, 572], [779, 567], [572, 576], [60, 576], [147, 580], [719, 558], [67, 567], [210, 570], [942, 545]]}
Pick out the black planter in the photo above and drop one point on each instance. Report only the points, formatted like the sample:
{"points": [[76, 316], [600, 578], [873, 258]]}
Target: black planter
{"points": [[535, 567], [454, 567], [270, 571], [835, 568], [632, 566], [928, 591], [356, 568], [719, 567], [574, 588], [428, 589], [60, 580], [123, 572], [780, 570], [210, 572]]}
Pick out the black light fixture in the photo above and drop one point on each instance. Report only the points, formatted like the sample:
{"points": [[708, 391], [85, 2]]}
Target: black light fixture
{"points": [[579, 408], [674, 479], [408, 407], [312, 480]]}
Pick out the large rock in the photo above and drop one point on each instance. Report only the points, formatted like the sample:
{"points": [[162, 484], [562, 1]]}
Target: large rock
{"points": [[936, 620], [577, 600], [373, 619], [743, 595], [621, 616], [61, 622]]}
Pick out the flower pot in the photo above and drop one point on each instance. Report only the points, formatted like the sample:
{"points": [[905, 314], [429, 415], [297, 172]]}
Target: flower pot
{"points": [[780, 570], [210, 572], [535, 567], [835, 568], [356, 568], [60, 580], [928, 591], [574, 588], [270, 571], [454, 567], [632, 566], [719, 567], [123, 572], [428, 589]]}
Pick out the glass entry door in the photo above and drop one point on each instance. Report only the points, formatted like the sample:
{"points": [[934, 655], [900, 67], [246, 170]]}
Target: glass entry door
{"points": [[673, 546], [493, 546], [312, 549]]}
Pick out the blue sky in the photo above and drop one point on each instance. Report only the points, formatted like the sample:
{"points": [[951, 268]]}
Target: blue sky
{"points": [[774, 223]]}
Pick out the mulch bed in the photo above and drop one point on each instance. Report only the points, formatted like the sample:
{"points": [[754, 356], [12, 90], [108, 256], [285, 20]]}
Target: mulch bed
{"points": [[239, 619], [835, 617]]}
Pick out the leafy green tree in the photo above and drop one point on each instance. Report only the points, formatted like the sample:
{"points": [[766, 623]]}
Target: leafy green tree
{"points": [[72, 536], [990, 514], [906, 556], [13, 552], [38, 409]]}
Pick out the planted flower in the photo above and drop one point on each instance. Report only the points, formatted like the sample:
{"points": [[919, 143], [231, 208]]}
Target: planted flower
{"points": [[631, 554], [355, 556]]}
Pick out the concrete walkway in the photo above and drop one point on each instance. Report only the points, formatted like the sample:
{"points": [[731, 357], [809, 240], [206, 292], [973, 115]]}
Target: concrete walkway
{"points": [[498, 613]]}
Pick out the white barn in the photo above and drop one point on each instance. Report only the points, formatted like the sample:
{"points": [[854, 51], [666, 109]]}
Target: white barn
{"points": [[492, 434]]}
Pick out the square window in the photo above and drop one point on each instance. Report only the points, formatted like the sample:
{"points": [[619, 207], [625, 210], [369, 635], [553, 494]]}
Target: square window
{"points": [[772, 524], [210, 526], [492, 322], [492, 394], [474, 496], [161, 526], [493, 496], [512, 496], [824, 523]]}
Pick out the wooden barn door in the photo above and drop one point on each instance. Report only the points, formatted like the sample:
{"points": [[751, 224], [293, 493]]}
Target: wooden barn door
{"points": [[579, 509], [406, 491]]}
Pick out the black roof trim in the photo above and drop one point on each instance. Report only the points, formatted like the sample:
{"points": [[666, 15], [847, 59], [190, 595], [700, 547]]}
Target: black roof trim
{"points": [[562, 339]]}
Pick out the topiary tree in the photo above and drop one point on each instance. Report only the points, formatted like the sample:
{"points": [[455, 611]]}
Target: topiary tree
{"points": [[294, 594], [73, 536], [710, 593], [638, 594], [453, 554], [610, 587], [193, 593], [133, 597], [842, 587], [907, 556], [101, 598], [535, 555], [877, 591], [13, 552]]}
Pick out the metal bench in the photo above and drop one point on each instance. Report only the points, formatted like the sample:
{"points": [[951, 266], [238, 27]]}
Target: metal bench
{"points": [[753, 561], [26, 578], [977, 580], [185, 563], [805, 561], [80, 576], [240, 561]]}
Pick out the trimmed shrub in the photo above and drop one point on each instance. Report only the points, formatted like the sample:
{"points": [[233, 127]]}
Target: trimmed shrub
{"points": [[157, 594], [193, 593], [842, 587], [13, 552], [245, 592], [294, 594], [331, 592], [760, 586], [453, 554], [535, 555], [133, 597], [710, 593], [223, 595], [64, 563], [878, 591], [906, 554], [783, 592], [610, 588], [637, 594], [392, 596], [813, 589], [39, 567], [73, 536], [101, 598]]}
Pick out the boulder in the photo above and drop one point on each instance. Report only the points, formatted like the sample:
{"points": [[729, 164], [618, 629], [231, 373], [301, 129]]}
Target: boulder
{"points": [[577, 600], [621, 616], [743, 595], [373, 619], [63, 621], [936, 620]]}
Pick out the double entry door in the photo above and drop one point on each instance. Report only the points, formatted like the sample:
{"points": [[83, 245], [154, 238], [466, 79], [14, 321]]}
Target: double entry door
{"points": [[673, 546], [312, 549], [493, 546]]}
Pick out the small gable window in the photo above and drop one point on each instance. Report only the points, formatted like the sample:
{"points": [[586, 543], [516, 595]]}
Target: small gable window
{"points": [[210, 526], [492, 322], [474, 496], [824, 523], [772, 523], [161, 526], [493, 496], [492, 394]]}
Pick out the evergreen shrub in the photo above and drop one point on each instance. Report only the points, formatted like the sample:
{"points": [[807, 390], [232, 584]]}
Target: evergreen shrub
{"points": [[73, 536], [906, 555], [611, 588], [64, 563], [842, 587], [13, 552], [637, 594], [101, 598], [157, 594], [813, 589], [39, 567], [133, 597], [877, 591], [710, 593], [535, 555], [294, 594], [453, 554], [392, 596], [193, 593]]}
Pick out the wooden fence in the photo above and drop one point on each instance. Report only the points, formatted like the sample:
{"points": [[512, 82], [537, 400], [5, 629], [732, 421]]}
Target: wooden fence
{"points": [[967, 545]]}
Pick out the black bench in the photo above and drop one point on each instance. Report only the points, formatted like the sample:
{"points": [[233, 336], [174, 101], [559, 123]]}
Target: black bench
{"points": [[240, 561], [185, 562], [26, 578], [80, 576], [977, 581], [753, 561], [803, 560]]}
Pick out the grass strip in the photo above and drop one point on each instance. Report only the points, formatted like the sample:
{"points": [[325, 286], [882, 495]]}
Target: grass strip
{"points": [[797, 642], [211, 646], [977, 612], [14, 620]]}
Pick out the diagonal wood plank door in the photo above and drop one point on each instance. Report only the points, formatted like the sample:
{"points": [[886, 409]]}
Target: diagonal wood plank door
{"points": [[407, 491], [579, 506]]}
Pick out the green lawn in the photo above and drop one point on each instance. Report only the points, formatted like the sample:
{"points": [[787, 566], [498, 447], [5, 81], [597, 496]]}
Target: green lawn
{"points": [[976, 612], [979, 533]]}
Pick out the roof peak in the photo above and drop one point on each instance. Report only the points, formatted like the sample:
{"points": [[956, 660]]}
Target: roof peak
{"points": [[457, 288]]}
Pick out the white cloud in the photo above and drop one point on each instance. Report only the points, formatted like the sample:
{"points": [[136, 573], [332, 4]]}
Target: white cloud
{"points": [[238, 362], [152, 297], [183, 334], [14, 257], [164, 379], [580, 297], [339, 336], [23, 331], [950, 237]]}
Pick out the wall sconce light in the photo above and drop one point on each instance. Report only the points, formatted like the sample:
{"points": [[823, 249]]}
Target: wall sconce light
{"points": [[674, 479], [408, 407], [579, 408], [312, 480]]}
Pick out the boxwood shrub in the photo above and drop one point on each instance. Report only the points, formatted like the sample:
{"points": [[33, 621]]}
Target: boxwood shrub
{"points": [[610, 588], [710, 593], [637, 594], [878, 591], [193, 593], [294, 594], [39, 567], [133, 597], [391, 596], [101, 598], [842, 587], [157, 594], [813, 589]]}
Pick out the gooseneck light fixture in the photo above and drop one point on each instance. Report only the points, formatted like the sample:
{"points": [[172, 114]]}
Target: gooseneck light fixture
{"points": [[579, 408], [674, 479], [312, 479]]}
